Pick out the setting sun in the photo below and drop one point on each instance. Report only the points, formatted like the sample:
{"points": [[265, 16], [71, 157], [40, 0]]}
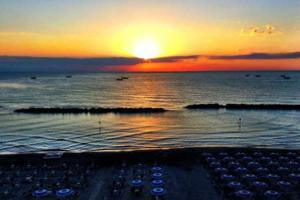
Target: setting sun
{"points": [[145, 49]]}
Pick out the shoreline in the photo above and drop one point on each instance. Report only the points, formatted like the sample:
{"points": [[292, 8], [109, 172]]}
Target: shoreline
{"points": [[147, 152]]}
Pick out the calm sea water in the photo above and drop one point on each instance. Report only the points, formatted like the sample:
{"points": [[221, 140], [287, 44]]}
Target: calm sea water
{"points": [[177, 128]]}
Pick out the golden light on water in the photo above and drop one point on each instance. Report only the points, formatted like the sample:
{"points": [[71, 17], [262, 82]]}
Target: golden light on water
{"points": [[145, 49]]}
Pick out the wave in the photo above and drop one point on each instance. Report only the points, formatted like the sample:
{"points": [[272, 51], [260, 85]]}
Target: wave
{"points": [[245, 106], [99, 110]]}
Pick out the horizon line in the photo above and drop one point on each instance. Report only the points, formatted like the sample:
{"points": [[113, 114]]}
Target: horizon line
{"points": [[250, 55], [197, 71]]}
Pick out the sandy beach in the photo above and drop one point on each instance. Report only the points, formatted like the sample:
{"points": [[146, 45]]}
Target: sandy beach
{"points": [[186, 173]]}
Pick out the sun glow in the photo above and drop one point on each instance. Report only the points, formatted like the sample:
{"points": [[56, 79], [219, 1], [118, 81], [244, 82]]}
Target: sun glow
{"points": [[145, 49]]}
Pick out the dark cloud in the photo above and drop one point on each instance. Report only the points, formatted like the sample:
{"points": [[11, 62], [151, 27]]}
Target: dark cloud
{"points": [[45, 64], [37, 64], [62, 64], [290, 55], [174, 58]]}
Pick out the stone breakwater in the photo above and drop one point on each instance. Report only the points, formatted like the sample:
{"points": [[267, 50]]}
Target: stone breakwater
{"points": [[99, 110], [245, 106]]}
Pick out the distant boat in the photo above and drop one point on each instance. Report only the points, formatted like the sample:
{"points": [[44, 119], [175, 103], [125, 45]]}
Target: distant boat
{"points": [[247, 75], [257, 76], [68, 76], [285, 76], [122, 78], [33, 77]]}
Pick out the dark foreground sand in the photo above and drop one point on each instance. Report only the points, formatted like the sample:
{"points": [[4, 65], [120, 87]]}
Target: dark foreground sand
{"points": [[190, 174]]}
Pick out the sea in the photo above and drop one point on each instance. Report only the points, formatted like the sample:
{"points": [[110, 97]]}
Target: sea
{"points": [[176, 128]]}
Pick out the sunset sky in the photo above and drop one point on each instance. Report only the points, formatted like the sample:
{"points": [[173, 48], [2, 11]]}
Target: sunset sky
{"points": [[204, 35]]}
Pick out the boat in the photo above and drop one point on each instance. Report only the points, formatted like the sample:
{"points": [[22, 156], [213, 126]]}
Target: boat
{"points": [[68, 76], [33, 77], [122, 78], [285, 77], [257, 76]]}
